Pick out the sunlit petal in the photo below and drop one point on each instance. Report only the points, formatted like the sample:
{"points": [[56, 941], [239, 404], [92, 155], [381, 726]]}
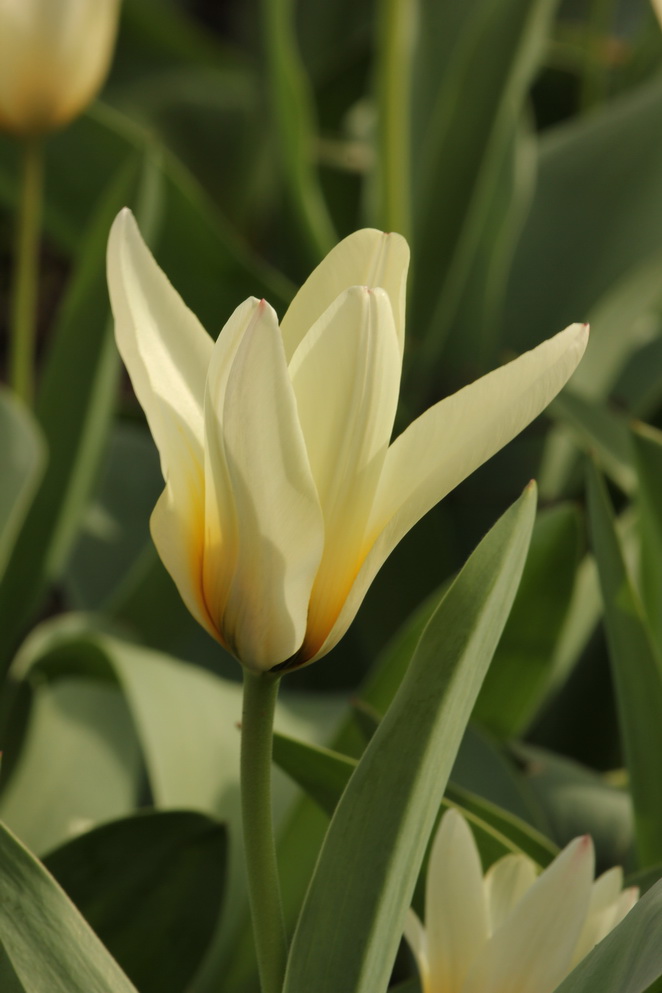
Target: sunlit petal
{"points": [[449, 441], [346, 378], [279, 530], [455, 908], [365, 258], [164, 347]]}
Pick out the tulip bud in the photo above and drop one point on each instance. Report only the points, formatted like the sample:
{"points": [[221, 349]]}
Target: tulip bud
{"points": [[54, 57]]}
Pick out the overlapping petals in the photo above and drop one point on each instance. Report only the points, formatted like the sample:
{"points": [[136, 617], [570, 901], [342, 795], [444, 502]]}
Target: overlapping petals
{"points": [[283, 495], [512, 930]]}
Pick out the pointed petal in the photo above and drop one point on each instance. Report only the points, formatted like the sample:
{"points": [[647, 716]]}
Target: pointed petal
{"points": [[164, 347], [450, 440], [167, 352], [532, 951], [220, 534], [346, 379], [365, 258], [604, 913], [455, 906], [506, 882], [416, 938], [279, 531]]}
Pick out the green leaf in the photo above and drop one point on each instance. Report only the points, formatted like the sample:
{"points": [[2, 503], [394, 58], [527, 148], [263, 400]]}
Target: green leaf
{"points": [[21, 460], [293, 119], [601, 431], [476, 115], [578, 800], [519, 676], [629, 958], [637, 674], [150, 886], [588, 226], [647, 444], [74, 406], [351, 922], [324, 774], [78, 763], [50, 945]]}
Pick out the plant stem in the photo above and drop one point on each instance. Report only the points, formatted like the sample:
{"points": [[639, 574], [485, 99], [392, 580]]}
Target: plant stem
{"points": [[260, 692], [25, 273]]}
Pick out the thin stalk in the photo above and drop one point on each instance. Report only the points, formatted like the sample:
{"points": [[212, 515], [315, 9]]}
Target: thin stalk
{"points": [[397, 30], [260, 692], [23, 311]]}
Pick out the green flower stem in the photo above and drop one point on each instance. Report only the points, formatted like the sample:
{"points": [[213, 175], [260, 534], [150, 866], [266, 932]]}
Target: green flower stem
{"points": [[395, 46], [25, 274], [260, 692]]}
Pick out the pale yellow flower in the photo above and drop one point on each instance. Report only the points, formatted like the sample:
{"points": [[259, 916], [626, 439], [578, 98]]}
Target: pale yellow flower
{"points": [[512, 930], [283, 494], [54, 56]]}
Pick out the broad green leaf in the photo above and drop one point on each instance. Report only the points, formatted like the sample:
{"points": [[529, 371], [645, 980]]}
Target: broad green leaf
{"points": [[629, 958], [74, 406], [114, 534], [637, 674], [351, 921], [324, 774], [50, 945], [151, 887], [77, 764], [588, 226], [186, 721], [578, 800], [476, 115], [647, 446], [21, 462], [600, 430], [519, 676]]}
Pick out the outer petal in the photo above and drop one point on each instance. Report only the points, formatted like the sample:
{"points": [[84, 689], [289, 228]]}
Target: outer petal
{"points": [[53, 58], [167, 352], [455, 907], [365, 258], [450, 440], [165, 348], [532, 951], [506, 882], [279, 530], [418, 942], [346, 378]]}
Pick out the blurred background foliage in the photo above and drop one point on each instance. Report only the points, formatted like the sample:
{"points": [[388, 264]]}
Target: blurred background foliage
{"points": [[518, 146]]}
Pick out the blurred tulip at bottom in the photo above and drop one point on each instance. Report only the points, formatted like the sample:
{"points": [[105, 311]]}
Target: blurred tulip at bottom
{"points": [[54, 57], [284, 494], [512, 930]]}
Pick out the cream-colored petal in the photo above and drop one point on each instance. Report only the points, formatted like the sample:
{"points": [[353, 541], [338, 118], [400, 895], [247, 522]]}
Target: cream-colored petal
{"points": [[165, 349], [450, 440], [417, 940], [220, 531], [178, 538], [455, 906], [278, 520], [506, 882], [609, 904], [531, 952], [365, 258], [346, 379], [53, 59]]}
